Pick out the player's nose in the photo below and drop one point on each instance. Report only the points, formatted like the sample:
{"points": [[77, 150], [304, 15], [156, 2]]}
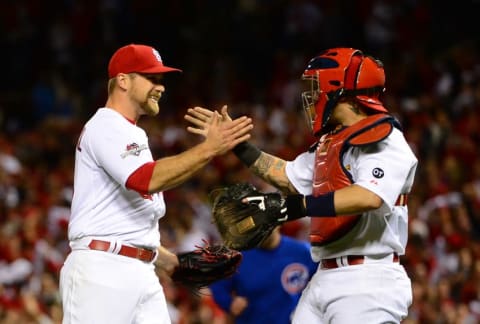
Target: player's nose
{"points": [[160, 88]]}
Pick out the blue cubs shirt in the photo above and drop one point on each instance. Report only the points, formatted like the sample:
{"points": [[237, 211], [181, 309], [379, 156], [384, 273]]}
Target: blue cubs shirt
{"points": [[271, 280]]}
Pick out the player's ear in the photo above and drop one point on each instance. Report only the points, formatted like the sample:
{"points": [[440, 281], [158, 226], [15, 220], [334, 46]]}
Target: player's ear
{"points": [[123, 80]]}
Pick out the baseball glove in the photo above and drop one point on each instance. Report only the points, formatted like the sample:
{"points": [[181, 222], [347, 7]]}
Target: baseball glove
{"points": [[244, 225], [203, 266]]}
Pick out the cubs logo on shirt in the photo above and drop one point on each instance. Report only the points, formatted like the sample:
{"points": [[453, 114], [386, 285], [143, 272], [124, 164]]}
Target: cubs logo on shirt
{"points": [[294, 278]]}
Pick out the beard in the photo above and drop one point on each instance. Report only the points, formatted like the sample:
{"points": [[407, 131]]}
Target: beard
{"points": [[150, 107]]}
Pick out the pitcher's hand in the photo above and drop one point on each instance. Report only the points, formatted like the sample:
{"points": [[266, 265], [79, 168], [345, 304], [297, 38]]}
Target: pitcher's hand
{"points": [[201, 119]]}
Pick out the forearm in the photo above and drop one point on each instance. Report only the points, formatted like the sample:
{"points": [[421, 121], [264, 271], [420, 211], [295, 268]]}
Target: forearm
{"points": [[350, 200], [172, 171], [268, 167], [272, 169], [166, 260]]}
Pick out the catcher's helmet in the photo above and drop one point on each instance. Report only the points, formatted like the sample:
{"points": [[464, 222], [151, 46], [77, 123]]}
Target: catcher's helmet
{"points": [[339, 73]]}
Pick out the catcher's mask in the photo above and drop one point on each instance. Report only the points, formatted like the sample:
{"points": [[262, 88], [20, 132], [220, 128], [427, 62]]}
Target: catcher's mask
{"points": [[339, 73]]}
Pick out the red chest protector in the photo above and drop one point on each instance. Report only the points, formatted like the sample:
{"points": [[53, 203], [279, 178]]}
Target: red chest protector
{"points": [[330, 174]]}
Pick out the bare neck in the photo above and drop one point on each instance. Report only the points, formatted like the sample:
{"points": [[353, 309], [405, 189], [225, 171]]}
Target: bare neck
{"points": [[123, 106], [347, 114]]}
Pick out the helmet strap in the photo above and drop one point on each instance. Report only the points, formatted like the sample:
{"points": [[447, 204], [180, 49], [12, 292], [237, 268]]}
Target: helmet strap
{"points": [[333, 97]]}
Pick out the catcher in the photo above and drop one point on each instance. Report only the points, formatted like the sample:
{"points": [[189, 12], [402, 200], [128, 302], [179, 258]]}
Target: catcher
{"points": [[353, 184]]}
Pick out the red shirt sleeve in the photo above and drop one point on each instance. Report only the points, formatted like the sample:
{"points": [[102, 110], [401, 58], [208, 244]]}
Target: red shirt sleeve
{"points": [[139, 180]]}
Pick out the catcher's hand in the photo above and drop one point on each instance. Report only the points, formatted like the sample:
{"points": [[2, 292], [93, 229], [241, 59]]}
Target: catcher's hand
{"points": [[203, 266], [245, 216]]}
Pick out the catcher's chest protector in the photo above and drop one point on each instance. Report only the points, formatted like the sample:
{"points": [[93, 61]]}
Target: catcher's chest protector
{"points": [[330, 174]]}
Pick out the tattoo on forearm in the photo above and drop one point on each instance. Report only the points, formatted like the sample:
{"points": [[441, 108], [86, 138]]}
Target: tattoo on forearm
{"points": [[263, 165], [272, 170]]}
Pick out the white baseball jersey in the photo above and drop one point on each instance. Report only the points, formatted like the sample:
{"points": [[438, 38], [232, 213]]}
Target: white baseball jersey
{"points": [[109, 150], [388, 172]]}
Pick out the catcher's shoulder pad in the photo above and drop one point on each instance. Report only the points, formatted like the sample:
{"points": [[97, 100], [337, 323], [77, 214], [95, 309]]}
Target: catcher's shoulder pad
{"points": [[373, 133]]}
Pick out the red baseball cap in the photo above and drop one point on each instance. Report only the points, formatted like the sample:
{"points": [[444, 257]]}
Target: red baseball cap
{"points": [[137, 58]]}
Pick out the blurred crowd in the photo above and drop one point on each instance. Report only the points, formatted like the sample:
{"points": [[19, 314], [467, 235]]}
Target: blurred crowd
{"points": [[248, 54]]}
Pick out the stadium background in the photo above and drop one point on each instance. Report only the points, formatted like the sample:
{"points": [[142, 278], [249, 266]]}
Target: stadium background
{"points": [[248, 54]]}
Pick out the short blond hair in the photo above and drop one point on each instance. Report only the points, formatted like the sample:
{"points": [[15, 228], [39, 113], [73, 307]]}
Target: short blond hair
{"points": [[111, 85]]}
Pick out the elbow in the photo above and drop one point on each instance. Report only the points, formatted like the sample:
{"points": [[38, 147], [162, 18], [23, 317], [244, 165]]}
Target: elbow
{"points": [[374, 202], [367, 200], [158, 186]]}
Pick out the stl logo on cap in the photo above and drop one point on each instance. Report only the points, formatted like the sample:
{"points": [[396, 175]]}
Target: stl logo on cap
{"points": [[137, 58], [157, 55]]}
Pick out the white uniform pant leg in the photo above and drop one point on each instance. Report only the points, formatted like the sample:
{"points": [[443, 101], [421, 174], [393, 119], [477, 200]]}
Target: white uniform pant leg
{"points": [[367, 293], [100, 287]]}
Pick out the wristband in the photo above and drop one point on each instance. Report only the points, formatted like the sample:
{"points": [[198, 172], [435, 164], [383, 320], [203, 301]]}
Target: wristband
{"points": [[295, 207], [247, 153], [320, 206]]}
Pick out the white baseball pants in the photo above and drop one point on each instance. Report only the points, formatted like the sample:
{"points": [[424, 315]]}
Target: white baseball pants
{"points": [[101, 287], [365, 293]]}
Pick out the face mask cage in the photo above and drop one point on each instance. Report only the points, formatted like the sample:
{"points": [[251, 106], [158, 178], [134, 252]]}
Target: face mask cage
{"points": [[309, 99]]}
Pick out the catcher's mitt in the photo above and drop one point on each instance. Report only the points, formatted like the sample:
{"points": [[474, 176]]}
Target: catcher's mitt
{"points": [[245, 225], [203, 266]]}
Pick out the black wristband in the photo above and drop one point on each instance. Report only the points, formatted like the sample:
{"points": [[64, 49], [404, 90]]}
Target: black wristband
{"points": [[247, 153], [295, 207], [319, 206]]}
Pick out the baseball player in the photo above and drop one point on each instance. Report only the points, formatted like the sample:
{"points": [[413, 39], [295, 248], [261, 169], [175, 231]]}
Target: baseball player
{"points": [[109, 276], [353, 184], [268, 283]]}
